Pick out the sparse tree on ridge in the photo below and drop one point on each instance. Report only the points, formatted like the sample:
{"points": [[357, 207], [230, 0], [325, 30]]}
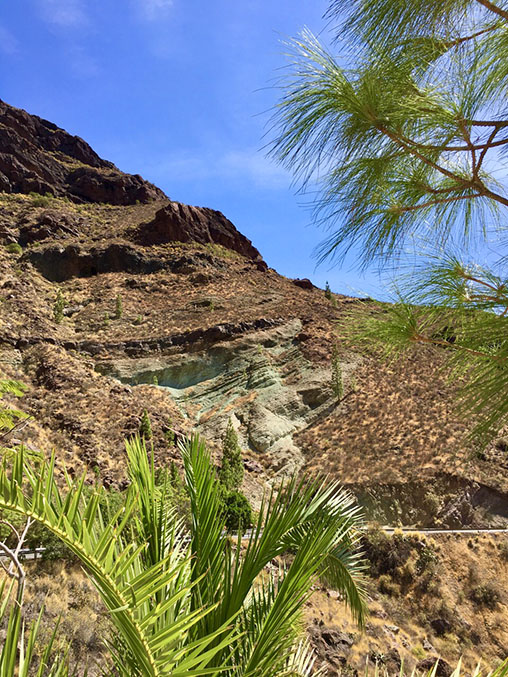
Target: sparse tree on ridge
{"points": [[405, 129]]}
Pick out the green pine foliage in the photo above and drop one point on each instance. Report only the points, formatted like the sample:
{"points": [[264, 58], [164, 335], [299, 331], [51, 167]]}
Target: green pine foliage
{"points": [[404, 133], [58, 307], [232, 470], [145, 426]]}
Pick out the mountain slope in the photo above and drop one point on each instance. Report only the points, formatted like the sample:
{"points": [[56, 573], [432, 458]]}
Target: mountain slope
{"points": [[169, 307]]}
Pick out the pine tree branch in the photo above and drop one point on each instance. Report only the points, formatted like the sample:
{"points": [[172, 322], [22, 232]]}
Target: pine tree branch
{"points": [[433, 203], [465, 276], [493, 8], [490, 144], [488, 123], [420, 338], [442, 170], [459, 41], [471, 146]]}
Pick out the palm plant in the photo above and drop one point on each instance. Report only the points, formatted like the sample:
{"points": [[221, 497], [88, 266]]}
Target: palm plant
{"points": [[195, 603]]}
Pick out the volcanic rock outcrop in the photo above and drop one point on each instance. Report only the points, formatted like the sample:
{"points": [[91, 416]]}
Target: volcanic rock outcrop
{"points": [[37, 156], [183, 223]]}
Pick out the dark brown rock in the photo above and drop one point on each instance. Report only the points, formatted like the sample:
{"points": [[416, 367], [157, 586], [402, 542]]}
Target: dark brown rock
{"points": [[182, 223], [443, 668], [59, 263], [440, 626], [51, 223], [304, 283], [37, 156], [113, 187]]}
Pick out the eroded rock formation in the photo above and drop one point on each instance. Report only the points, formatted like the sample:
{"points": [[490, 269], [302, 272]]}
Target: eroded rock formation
{"points": [[37, 156]]}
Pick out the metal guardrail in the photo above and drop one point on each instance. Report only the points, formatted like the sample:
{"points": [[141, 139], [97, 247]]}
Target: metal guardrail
{"points": [[34, 553]]}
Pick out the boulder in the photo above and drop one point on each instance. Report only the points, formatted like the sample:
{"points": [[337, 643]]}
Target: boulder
{"points": [[304, 283]]}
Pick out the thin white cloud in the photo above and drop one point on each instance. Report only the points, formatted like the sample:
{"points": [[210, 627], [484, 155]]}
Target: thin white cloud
{"points": [[152, 10], [64, 13], [8, 43], [234, 165]]}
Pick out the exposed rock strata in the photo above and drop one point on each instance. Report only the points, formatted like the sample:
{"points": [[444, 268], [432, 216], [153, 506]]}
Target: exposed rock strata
{"points": [[261, 380]]}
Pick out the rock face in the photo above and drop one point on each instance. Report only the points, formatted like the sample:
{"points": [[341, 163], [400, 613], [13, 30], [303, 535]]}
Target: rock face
{"points": [[178, 222], [38, 156], [63, 262], [261, 380]]}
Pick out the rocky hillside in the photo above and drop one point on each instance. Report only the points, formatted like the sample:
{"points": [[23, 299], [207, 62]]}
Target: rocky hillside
{"points": [[114, 299]]}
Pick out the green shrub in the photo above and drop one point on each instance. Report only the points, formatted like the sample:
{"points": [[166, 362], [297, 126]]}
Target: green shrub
{"points": [[386, 554], [58, 307], [145, 427], [38, 200], [169, 433], [238, 511], [485, 594], [427, 560], [337, 380], [328, 291], [14, 248], [387, 586], [503, 550], [118, 307]]}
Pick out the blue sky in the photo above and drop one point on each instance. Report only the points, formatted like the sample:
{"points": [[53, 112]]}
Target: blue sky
{"points": [[178, 91]]}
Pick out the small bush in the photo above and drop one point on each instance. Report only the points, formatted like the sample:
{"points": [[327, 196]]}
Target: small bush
{"points": [[169, 433], [485, 594], [238, 511], [387, 586], [431, 504], [503, 550], [145, 427], [328, 291], [38, 200], [58, 307], [118, 307], [337, 380], [386, 554], [14, 248], [427, 560]]}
